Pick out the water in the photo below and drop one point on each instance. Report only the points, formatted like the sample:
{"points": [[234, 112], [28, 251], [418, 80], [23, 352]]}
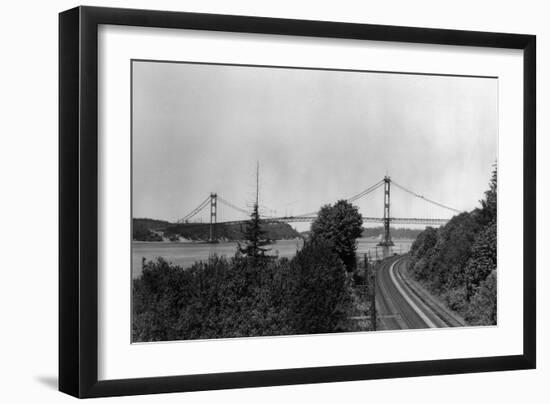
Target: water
{"points": [[185, 254]]}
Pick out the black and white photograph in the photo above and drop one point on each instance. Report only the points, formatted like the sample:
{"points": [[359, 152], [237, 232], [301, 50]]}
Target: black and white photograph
{"points": [[273, 201]]}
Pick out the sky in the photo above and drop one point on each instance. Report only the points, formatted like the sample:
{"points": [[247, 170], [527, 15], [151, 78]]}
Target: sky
{"points": [[318, 136]]}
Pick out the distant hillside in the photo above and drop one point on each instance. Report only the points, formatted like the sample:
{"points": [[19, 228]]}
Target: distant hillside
{"points": [[395, 232], [148, 229], [158, 230], [201, 231]]}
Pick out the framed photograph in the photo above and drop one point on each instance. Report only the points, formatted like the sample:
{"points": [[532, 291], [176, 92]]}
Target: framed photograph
{"points": [[250, 201]]}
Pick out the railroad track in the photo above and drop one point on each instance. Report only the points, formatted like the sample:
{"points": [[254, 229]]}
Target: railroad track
{"points": [[402, 303]]}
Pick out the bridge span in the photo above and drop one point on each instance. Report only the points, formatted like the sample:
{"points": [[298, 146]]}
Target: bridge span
{"points": [[366, 219], [387, 220]]}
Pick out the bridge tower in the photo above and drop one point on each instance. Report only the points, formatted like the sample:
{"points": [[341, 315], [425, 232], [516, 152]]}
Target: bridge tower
{"points": [[213, 214], [386, 242]]}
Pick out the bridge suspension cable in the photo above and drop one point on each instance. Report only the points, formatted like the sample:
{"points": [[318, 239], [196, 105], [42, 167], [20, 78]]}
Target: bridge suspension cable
{"points": [[232, 206], [424, 198], [366, 191], [353, 198], [195, 211]]}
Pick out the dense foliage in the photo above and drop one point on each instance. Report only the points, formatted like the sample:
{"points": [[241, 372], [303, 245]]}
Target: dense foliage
{"points": [[238, 297], [341, 225], [459, 260]]}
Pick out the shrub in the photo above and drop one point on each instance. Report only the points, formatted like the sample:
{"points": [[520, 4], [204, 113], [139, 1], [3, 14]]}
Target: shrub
{"points": [[482, 309], [456, 299]]}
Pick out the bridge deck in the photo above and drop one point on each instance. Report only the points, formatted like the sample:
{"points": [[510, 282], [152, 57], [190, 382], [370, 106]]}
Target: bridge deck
{"points": [[366, 219]]}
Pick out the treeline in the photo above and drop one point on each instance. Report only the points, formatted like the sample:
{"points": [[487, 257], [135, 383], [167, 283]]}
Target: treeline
{"points": [[158, 230], [242, 297], [397, 233], [253, 293], [458, 261]]}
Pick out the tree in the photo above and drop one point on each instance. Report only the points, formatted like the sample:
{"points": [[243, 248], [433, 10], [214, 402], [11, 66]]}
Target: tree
{"points": [[424, 242], [319, 292], [483, 305], [488, 211], [422, 251], [459, 261], [339, 224], [483, 259], [255, 237], [452, 252]]}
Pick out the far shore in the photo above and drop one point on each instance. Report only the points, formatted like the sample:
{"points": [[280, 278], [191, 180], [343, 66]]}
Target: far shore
{"points": [[186, 241]]}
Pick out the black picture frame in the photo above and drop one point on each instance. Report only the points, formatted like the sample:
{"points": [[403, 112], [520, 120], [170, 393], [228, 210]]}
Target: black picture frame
{"points": [[78, 201]]}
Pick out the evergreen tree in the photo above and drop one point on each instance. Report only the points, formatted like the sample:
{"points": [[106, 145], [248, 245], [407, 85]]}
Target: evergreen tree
{"points": [[489, 204], [255, 237]]}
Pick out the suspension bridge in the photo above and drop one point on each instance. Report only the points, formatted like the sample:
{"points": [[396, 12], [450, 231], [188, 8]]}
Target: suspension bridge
{"points": [[386, 220]]}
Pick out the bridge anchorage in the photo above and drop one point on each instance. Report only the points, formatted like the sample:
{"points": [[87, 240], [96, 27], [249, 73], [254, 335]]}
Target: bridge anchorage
{"points": [[386, 241]]}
